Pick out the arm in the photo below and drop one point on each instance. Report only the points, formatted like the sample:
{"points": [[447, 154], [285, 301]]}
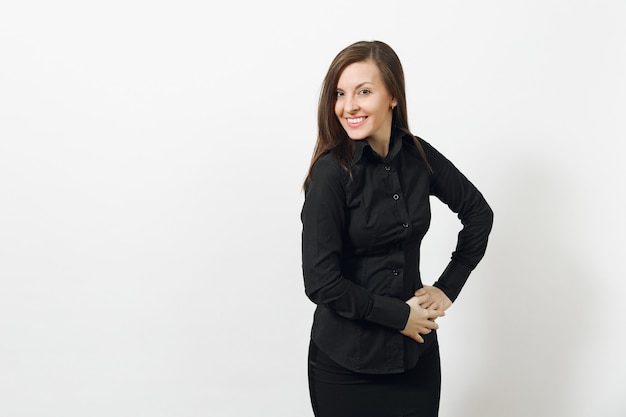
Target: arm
{"points": [[462, 197]]}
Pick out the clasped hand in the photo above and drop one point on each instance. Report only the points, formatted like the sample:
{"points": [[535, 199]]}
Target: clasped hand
{"points": [[427, 304]]}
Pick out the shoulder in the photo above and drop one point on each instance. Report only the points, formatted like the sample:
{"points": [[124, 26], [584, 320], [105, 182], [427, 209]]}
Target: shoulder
{"points": [[327, 170], [433, 156], [419, 148], [429, 149], [327, 166]]}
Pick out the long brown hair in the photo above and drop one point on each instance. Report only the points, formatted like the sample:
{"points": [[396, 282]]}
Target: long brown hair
{"points": [[331, 136]]}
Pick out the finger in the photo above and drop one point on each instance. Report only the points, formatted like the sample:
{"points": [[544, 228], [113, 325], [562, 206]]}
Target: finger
{"points": [[433, 313], [422, 298], [429, 326], [419, 292], [418, 338], [432, 305]]}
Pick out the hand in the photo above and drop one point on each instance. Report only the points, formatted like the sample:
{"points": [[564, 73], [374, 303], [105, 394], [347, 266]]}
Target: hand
{"points": [[437, 299], [421, 321]]}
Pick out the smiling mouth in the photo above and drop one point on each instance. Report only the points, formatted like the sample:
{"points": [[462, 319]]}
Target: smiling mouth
{"points": [[355, 121]]}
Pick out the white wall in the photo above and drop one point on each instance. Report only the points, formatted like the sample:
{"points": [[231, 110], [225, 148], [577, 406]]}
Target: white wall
{"points": [[151, 155]]}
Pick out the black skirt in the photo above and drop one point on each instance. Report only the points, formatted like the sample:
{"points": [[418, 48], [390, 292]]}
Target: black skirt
{"points": [[339, 392]]}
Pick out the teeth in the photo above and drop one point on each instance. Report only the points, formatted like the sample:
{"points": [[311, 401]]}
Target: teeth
{"points": [[357, 120]]}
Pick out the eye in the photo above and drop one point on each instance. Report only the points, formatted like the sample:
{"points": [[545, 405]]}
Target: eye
{"points": [[339, 94], [364, 91]]}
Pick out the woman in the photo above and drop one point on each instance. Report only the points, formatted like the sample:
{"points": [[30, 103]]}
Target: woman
{"points": [[374, 348]]}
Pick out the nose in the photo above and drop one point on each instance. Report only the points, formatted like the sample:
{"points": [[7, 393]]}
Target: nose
{"points": [[351, 105]]}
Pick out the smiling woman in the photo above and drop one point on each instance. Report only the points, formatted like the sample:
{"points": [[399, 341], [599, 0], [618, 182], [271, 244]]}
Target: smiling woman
{"points": [[364, 106], [374, 349]]}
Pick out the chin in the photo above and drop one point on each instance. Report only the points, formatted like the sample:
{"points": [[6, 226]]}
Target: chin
{"points": [[355, 135]]}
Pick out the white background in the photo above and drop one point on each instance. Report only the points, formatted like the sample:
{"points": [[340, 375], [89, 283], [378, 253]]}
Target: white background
{"points": [[151, 157]]}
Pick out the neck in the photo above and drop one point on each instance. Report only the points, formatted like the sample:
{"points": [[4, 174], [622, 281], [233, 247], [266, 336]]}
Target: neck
{"points": [[380, 147], [380, 144]]}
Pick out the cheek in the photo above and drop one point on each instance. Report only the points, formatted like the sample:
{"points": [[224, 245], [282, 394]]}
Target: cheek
{"points": [[338, 109]]}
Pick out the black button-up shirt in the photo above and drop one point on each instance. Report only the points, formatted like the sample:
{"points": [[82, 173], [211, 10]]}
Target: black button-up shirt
{"points": [[361, 238]]}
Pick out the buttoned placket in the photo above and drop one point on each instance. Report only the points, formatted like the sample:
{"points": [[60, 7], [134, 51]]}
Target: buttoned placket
{"points": [[396, 263], [396, 259], [397, 195]]}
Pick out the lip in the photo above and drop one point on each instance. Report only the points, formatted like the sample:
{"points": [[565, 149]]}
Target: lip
{"points": [[355, 121]]}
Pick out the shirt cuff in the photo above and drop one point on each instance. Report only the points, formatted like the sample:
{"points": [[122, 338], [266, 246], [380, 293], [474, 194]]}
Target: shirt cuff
{"points": [[390, 312], [452, 280]]}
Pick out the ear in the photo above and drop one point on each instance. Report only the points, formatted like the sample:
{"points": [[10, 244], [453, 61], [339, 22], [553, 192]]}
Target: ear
{"points": [[394, 103]]}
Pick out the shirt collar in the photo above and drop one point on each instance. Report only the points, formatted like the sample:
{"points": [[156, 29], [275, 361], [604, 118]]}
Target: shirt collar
{"points": [[395, 145]]}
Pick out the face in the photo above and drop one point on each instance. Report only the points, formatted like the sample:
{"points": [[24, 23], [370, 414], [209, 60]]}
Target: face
{"points": [[364, 106]]}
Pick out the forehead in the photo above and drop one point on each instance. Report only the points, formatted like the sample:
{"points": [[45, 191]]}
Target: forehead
{"points": [[359, 73]]}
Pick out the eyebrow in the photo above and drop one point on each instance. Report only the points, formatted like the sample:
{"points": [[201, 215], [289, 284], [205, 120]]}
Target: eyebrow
{"points": [[359, 85]]}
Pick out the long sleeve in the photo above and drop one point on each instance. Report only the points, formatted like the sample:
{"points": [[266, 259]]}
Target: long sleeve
{"points": [[323, 219], [462, 197]]}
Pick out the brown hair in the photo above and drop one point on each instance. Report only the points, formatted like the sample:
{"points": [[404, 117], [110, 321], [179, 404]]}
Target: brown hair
{"points": [[331, 136]]}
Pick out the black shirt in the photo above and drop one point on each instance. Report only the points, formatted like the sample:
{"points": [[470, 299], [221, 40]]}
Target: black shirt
{"points": [[361, 241]]}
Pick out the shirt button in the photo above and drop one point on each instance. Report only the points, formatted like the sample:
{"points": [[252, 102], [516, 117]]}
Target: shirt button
{"points": [[395, 272], [396, 196], [387, 168], [405, 225]]}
